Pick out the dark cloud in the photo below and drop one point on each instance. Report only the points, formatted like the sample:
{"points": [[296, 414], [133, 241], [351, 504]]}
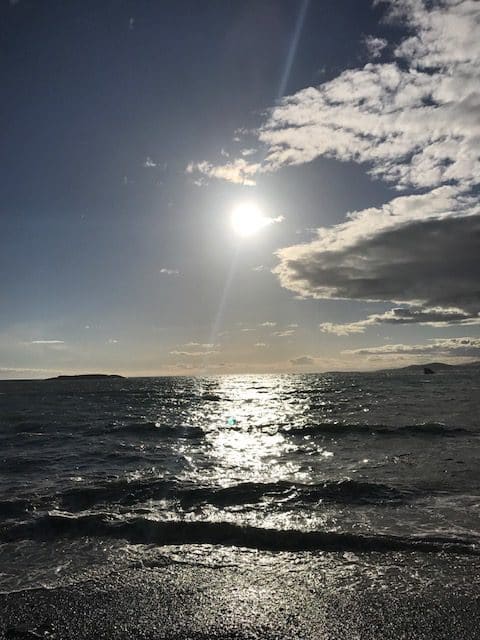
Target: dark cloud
{"points": [[432, 262]]}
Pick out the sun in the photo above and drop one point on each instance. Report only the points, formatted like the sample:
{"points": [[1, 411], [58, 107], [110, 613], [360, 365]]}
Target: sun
{"points": [[248, 219]]}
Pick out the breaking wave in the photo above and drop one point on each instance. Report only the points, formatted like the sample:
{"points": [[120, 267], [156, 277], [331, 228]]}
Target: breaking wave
{"points": [[145, 531], [126, 493]]}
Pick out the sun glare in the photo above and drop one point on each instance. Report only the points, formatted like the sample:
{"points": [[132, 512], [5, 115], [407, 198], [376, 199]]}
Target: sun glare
{"points": [[247, 219]]}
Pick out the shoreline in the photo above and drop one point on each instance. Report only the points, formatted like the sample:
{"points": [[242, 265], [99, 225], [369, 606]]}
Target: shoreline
{"points": [[250, 601]]}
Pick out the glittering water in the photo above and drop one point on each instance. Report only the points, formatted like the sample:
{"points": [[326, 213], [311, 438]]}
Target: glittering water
{"points": [[347, 462]]}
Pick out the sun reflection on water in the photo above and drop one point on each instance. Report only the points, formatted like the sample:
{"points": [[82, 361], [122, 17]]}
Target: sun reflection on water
{"points": [[248, 452]]}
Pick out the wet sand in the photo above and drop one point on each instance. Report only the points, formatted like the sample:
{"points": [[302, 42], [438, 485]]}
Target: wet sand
{"points": [[185, 601]]}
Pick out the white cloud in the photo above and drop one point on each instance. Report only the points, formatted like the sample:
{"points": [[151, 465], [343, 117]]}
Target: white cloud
{"points": [[238, 171], [200, 345], [439, 347], [260, 344], [342, 329], [268, 323], [375, 46], [149, 163], [414, 122], [170, 272], [284, 333], [192, 354], [47, 342], [433, 317]]}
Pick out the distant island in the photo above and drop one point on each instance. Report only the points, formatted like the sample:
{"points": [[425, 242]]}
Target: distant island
{"points": [[430, 366], [87, 376], [439, 366], [420, 368], [434, 367]]}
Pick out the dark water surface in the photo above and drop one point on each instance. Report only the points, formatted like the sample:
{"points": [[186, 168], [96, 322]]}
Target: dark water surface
{"points": [[152, 470]]}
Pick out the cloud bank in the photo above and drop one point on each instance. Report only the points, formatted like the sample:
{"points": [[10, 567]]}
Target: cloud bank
{"points": [[434, 317], [439, 347], [420, 249]]}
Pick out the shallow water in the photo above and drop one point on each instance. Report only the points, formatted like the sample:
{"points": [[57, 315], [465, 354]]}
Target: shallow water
{"points": [[290, 463]]}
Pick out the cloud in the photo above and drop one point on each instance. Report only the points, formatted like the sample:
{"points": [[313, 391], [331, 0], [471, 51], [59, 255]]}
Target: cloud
{"points": [[260, 344], [302, 361], [248, 152], [417, 249], [170, 272], [413, 121], [342, 329], [268, 324], [438, 347], [239, 171], [433, 317], [284, 333], [149, 163], [375, 46], [201, 345], [47, 342], [192, 354]]}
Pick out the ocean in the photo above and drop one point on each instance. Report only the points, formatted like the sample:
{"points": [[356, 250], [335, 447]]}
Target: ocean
{"points": [[102, 474]]}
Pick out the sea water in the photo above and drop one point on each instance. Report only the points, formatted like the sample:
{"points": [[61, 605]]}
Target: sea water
{"points": [[145, 471]]}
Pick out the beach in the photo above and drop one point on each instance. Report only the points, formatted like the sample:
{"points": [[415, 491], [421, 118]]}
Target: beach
{"points": [[273, 599]]}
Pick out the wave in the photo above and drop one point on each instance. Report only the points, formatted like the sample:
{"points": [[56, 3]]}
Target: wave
{"points": [[156, 430], [339, 429], [144, 531], [344, 492], [124, 493], [121, 492]]}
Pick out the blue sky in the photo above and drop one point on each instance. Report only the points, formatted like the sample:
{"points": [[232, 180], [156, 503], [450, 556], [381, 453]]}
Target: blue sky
{"points": [[133, 130]]}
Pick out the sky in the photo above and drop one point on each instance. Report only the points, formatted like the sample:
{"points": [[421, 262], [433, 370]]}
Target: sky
{"points": [[238, 186]]}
